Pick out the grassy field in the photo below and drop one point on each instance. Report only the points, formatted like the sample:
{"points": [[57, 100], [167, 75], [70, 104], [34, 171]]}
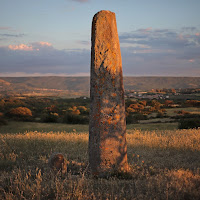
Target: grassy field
{"points": [[191, 110], [165, 164], [21, 127]]}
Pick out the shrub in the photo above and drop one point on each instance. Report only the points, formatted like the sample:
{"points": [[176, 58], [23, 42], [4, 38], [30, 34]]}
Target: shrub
{"points": [[189, 123], [50, 118], [20, 113], [3, 121], [186, 116], [182, 112], [131, 120], [70, 118], [134, 118], [74, 110], [161, 113], [140, 117], [83, 110]]}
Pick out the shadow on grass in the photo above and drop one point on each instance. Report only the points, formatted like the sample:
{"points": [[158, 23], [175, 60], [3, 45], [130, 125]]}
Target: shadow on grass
{"points": [[34, 153], [156, 173], [169, 158]]}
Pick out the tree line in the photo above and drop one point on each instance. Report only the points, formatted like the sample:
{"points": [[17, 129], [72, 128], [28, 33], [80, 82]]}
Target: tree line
{"points": [[76, 111]]}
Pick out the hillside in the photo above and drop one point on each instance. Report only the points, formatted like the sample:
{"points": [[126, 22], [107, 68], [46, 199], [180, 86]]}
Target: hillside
{"points": [[76, 86]]}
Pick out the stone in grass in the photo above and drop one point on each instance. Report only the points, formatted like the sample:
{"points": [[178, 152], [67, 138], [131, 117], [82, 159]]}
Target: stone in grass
{"points": [[57, 162]]}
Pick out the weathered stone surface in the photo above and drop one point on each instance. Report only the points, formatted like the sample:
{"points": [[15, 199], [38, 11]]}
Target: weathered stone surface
{"points": [[107, 129]]}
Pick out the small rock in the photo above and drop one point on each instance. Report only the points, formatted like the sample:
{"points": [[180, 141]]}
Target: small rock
{"points": [[57, 162]]}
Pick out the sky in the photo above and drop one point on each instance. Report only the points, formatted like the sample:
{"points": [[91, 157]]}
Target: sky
{"points": [[53, 37]]}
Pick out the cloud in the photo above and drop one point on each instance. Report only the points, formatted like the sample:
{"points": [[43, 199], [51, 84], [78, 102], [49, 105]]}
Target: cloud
{"points": [[191, 29], [45, 44], [161, 51], [43, 58], [21, 47], [11, 35], [164, 40], [42, 46], [32, 47], [81, 1], [154, 38], [191, 60], [84, 43], [5, 28], [144, 51], [145, 29]]}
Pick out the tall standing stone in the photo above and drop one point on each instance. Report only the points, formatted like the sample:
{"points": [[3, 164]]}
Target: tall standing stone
{"points": [[107, 129]]}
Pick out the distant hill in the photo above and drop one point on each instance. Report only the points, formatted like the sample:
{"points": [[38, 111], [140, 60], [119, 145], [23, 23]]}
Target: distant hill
{"points": [[78, 86], [148, 83]]}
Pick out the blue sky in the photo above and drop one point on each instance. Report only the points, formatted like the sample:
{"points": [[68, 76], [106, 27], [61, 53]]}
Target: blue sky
{"points": [[49, 37]]}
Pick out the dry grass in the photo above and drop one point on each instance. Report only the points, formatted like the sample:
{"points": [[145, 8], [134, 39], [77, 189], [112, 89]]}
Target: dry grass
{"points": [[164, 165]]}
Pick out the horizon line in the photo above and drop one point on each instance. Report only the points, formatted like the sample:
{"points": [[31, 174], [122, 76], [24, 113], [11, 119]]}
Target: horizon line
{"points": [[78, 76]]}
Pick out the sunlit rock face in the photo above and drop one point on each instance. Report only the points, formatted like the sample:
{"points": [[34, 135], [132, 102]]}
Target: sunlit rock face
{"points": [[107, 129]]}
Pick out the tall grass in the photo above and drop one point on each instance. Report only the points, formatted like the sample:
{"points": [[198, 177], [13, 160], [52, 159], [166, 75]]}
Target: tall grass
{"points": [[164, 165]]}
